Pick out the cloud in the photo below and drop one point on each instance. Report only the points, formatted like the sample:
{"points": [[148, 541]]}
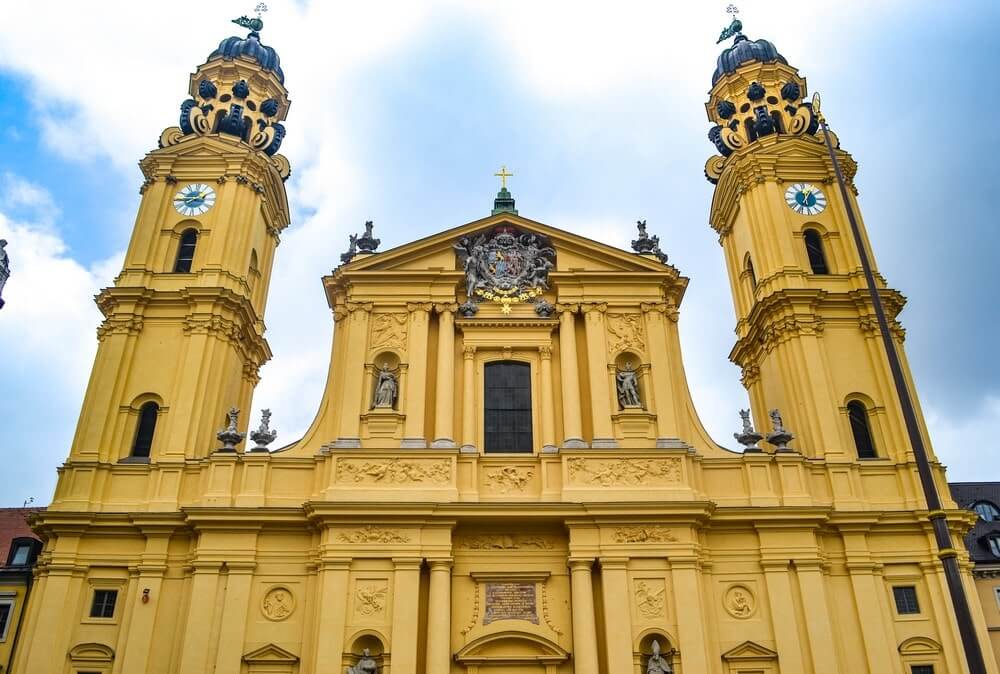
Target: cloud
{"points": [[960, 441]]}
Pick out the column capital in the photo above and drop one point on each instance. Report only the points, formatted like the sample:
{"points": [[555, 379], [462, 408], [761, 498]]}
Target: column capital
{"points": [[365, 307], [469, 351], [545, 352], [448, 308], [419, 306], [407, 563], [581, 564], [614, 563], [440, 564], [594, 308], [567, 309]]}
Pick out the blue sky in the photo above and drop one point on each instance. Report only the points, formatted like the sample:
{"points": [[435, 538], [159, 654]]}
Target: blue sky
{"points": [[402, 112]]}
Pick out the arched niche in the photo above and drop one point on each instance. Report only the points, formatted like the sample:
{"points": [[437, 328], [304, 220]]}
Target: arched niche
{"points": [[643, 648], [512, 650], [391, 361], [630, 360], [370, 640]]}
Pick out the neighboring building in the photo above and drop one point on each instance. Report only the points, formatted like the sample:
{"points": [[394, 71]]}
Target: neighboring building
{"points": [[506, 472], [983, 543], [19, 548]]}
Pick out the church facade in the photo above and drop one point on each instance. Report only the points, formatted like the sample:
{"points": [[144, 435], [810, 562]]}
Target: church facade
{"points": [[506, 472]]}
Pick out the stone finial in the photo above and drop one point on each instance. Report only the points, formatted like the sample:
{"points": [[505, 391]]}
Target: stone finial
{"points": [[352, 250], [264, 435], [646, 244], [544, 308], [229, 436], [4, 268], [748, 437], [368, 243], [780, 436]]}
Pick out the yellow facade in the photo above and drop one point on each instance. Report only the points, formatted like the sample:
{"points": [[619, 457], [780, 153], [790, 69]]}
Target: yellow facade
{"points": [[389, 528]]}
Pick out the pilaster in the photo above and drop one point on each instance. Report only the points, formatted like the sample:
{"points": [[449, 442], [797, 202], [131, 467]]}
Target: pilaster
{"points": [[405, 614], [597, 363], [439, 617], [572, 413], [469, 400], [584, 622], [617, 614], [444, 418], [416, 380], [548, 420], [354, 370]]}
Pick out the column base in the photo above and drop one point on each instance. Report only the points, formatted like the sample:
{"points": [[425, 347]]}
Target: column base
{"points": [[347, 443], [574, 443], [443, 443], [604, 443], [413, 443], [550, 449], [468, 449]]}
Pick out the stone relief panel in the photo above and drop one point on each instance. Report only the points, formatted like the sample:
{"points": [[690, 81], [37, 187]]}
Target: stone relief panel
{"points": [[649, 595], [740, 602], [370, 598], [624, 472], [508, 479], [392, 472], [650, 534], [625, 333], [503, 542], [388, 331], [510, 601], [373, 534], [278, 603]]}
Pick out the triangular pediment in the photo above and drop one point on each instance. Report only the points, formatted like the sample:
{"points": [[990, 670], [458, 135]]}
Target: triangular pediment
{"points": [[749, 650], [270, 654], [573, 252]]}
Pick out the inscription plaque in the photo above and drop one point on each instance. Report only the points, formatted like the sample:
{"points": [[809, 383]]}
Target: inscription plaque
{"points": [[510, 601]]}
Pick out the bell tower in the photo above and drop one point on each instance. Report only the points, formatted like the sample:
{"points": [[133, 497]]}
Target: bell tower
{"points": [[182, 339], [807, 337]]}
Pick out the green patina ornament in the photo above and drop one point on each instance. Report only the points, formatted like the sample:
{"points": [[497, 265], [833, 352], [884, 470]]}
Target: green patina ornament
{"points": [[254, 24], [734, 28]]}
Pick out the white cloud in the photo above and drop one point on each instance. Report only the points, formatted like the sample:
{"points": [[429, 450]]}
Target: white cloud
{"points": [[965, 444]]}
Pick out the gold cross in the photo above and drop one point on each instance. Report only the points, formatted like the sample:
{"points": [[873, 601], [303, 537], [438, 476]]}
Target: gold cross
{"points": [[503, 175]]}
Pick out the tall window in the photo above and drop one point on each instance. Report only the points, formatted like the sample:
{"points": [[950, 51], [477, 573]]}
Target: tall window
{"points": [[6, 609], [906, 599], [253, 272], [986, 510], [508, 407], [146, 428], [103, 605], [922, 669], [861, 430], [814, 248], [751, 273], [185, 252]]}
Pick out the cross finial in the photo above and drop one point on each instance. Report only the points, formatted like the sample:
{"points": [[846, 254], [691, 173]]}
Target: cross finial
{"points": [[733, 9], [503, 175], [262, 7], [735, 26]]}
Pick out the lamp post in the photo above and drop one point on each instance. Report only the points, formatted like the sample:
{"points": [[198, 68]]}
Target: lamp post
{"points": [[946, 552]]}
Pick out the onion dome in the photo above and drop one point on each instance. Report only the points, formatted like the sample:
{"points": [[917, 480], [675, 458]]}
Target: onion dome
{"points": [[250, 47], [743, 51]]}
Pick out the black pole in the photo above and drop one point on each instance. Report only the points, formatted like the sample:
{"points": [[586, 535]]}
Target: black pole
{"points": [[946, 553]]}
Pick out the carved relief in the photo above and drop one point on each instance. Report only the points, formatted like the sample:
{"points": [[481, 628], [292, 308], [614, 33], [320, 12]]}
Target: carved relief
{"points": [[373, 534], [370, 598], [508, 478], [624, 473], [393, 471], [475, 611], [503, 542], [740, 602], [650, 598], [388, 331], [278, 603], [625, 333], [651, 534]]}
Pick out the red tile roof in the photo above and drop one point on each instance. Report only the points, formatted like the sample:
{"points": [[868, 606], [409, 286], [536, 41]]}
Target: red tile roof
{"points": [[14, 524]]}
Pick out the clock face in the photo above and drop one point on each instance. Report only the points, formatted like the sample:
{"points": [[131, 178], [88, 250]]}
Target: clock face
{"points": [[805, 199], [194, 199]]}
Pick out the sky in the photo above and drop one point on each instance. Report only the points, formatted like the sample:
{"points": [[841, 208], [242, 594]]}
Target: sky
{"points": [[401, 113]]}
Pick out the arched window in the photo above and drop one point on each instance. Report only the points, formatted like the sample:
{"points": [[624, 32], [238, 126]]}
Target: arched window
{"points": [[750, 272], [814, 249], [993, 542], [144, 431], [185, 252], [253, 272], [508, 407], [986, 510], [861, 430]]}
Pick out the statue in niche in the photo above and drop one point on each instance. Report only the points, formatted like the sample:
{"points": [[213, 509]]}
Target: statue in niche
{"points": [[366, 665], [657, 664], [386, 388], [628, 387]]}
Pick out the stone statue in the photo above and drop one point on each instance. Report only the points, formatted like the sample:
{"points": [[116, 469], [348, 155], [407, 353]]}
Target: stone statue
{"points": [[780, 436], [368, 243], [386, 388], [4, 268], [749, 437], [657, 664], [264, 435], [646, 244], [229, 436], [366, 664], [628, 387], [352, 250]]}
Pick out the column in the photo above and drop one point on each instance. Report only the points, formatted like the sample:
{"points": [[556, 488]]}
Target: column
{"points": [[444, 417], [354, 362], [198, 626], [232, 630], [548, 401], [779, 596], [572, 421], [333, 578], [584, 624], [416, 376], [691, 637], [405, 605], [879, 646], [143, 618], [439, 618], [469, 400], [660, 379], [812, 588], [617, 614], [597, 364]]}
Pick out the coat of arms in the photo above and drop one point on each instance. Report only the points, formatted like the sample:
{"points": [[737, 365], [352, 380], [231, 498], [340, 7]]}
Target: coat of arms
{"points": [[505, 266]]}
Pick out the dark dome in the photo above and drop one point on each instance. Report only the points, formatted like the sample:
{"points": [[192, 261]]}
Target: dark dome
{"points": [[742, 51], [250, 47]]}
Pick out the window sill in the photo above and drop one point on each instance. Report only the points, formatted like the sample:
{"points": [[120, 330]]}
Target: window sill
{"points": [[134, 459]]}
